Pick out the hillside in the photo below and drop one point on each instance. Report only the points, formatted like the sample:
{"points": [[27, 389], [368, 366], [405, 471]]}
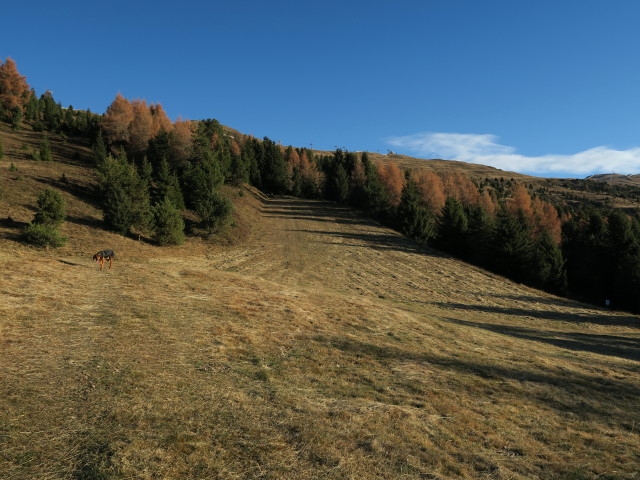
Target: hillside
{"points": [[308, 342], [618, 191]]}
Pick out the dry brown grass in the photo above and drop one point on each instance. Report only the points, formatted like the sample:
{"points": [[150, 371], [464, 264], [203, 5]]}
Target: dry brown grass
{"points": [[321, 345]]}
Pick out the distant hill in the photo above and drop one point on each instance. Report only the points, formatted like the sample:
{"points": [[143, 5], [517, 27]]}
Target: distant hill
{"points": [[617, 179]]}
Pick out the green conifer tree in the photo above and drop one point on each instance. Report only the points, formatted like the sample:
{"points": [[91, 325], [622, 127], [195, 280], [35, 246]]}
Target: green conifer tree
{"points": [[51, 208], [479, 234], [45, 150], [43, 231], [99, 149], [168, 224], [166, 185], [414, 219], [126, 202], [512, 245], [341, 187], [273, 169], [548, 272], [453, 227]]}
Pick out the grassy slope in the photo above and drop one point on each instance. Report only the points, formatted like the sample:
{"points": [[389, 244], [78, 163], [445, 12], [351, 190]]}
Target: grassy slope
{"points": [[319, 345]]}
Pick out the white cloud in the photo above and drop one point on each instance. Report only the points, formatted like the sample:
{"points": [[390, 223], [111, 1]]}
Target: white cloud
{"points": [[485, 149]]}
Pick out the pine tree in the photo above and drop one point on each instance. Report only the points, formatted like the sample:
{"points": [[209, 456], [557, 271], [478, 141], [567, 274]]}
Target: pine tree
{"points": [[479, 235], [452, 228], [357, 184], [125, 195], [43, 231], [45, 150], [376, 197], [239, 166], [623, 260], [341, 186], [168, 224], [51, 112], [99, 149], [512, 245], [51, 208], [166, 186], [548, 272], [32, 111], [273, 169], [586, 256], [413, 218], [16, 117], [214, 211]]}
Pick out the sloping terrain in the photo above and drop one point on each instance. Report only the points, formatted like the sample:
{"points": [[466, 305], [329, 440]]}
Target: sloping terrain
{"points": [[323, 346], [307, 343]]}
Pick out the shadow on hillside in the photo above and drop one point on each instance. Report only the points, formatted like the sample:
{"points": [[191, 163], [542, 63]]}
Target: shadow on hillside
{"points": [[611, 345], [15, 226], [314, 211], [583, 392], [71, 263], [85, 193], [86, 221], [625, 321], [311, 217], [375, 241], [326, 212], [556, 301]]}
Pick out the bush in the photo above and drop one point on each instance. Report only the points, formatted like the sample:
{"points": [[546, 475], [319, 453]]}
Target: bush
{"points": [[51, 208], [43, 235]]}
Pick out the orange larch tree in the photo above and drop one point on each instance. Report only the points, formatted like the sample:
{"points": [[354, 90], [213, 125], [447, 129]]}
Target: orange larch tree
{"points": [[311, 177], [521, 200], [488, 203], [181, 138], [161, 121], [14, 90], [117, 120], [546, 218], [431, 189], [141, 128], [460, 186], [392, 179]]}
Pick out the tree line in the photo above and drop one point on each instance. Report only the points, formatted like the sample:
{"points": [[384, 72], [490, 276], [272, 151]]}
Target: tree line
{"points": [[152, 171]]}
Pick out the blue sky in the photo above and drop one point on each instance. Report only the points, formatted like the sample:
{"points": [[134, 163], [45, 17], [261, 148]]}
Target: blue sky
{"points": [[548, 88]]}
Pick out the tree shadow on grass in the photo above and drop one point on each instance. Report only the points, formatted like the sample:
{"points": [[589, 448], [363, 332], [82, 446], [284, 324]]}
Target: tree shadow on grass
{"points": [[377, 241], [15, 228], [611, 345], [87, 193], [86, 221], [625, 321], [584, 393]]}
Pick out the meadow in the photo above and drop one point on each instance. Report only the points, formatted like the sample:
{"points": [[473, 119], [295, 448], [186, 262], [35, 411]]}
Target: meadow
{"points": [[305, 342]]}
